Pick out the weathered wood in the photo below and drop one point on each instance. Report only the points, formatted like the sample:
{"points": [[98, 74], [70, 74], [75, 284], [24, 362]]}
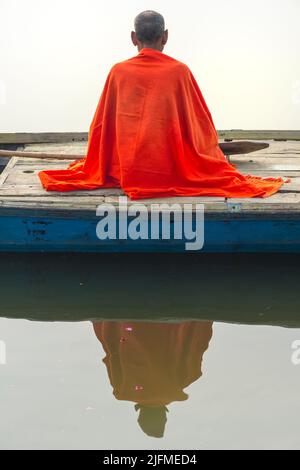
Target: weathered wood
{"points": [[66, 147], [270, 158], [37, 191], [41, 137], [278, 198], [112, 195], [275, 148], [273, 173], [268, 163], [282, 149], [227, 211], [53, 200], [88, 204], [239, 134], [112, 199], [40, 155], [234, 134], [292, 187], [229, 148]]}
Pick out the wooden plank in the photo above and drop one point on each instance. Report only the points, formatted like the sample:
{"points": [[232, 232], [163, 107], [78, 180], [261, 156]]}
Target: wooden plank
{"points": [[170, 201], [292, 187], [40, 155], [275, 149], [278, 198], [266, 160], [111, 196], [272, 173], [279, 167], [239, 134], [58, 147], [283, 206], [73, 151], [266, 164], [78, 204], [40, 137], [235, 134], [79, 201], [234, 210], [229, 148], [28, 175], [54, 200], [37, 190], [281, 148], [43, 164], [70, 146]]}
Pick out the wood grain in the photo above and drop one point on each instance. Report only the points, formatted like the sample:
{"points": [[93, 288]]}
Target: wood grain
{"points": [[234, 134]]}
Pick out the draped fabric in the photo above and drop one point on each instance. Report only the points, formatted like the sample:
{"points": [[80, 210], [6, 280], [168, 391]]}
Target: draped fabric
{"points": [[153, 136]]}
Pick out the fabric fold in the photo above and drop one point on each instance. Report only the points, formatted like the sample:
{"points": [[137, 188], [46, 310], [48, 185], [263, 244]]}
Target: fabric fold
{"points": [[153, 136]]}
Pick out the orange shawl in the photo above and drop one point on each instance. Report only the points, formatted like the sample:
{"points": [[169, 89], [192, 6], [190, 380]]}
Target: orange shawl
{"points": [[153, 136]]}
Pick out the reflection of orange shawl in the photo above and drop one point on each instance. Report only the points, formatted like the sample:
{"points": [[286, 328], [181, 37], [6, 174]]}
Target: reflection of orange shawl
{"points": [[151, 363], [153, 136]]}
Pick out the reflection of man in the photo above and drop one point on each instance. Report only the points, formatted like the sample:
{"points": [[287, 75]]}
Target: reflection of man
{"points": [[151, 363]]}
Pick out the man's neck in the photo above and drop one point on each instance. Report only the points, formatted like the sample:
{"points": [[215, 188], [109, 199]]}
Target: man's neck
{"points": [[155, 47]]}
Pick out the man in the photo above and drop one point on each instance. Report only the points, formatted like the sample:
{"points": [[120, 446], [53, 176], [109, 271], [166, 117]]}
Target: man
{"points": [[152, 133]]}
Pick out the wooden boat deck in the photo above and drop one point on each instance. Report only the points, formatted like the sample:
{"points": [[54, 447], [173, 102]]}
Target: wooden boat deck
{"points": [[20, 185], [21, 195]]}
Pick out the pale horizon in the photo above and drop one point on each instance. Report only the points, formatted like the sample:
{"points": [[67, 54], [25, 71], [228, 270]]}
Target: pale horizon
{"points": [[55, 57]]}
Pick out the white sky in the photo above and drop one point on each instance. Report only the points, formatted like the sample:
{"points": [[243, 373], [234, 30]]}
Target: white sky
{"points": [[55, 55]]}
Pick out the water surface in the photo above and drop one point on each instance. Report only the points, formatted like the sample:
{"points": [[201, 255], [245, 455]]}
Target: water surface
{"points": [[197, 352]]}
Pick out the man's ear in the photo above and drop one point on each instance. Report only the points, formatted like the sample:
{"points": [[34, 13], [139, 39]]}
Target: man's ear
{"points": [[134, 38], [165, 37]]}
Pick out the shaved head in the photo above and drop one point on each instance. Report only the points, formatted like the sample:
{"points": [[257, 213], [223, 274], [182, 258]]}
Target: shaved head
{"points": [[149, 26]]}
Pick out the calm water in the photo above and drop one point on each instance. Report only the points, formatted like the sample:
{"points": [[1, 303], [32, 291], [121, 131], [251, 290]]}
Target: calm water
{"points": [[198, 352]]}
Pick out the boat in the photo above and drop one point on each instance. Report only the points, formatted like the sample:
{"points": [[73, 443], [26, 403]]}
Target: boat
{"points": [[33, 220]]}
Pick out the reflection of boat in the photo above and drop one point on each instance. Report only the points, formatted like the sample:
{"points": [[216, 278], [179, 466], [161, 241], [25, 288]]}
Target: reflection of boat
{"points": [[151, 364], [243, 289]]}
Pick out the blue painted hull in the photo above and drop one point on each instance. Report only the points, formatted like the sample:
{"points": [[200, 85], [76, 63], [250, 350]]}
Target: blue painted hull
{"points": [[40, 232]]}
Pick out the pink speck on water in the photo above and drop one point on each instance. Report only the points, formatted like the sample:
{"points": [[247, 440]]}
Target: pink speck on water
{"points": [[128, 328], [138, 388]]}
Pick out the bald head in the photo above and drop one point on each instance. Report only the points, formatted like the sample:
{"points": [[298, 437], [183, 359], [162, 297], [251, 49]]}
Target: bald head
{"points": [[149, 26], [149, 30]]}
